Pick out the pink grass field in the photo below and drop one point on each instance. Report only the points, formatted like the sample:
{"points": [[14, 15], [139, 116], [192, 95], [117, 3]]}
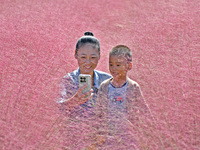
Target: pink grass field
{"points": [[37, 42]]}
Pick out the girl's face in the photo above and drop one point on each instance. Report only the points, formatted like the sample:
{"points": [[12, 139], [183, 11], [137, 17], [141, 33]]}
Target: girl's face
{"points": [[87, 57]]}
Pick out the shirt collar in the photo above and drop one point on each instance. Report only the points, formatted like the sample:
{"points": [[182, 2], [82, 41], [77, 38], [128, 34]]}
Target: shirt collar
{"points": [[124, 85], [96, 79], [78, 72]]}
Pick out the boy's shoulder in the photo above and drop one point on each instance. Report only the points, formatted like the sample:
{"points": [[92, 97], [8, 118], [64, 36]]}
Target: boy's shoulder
{"points": [[104, 86], [130, 82], [133, 83], [133, 86]]}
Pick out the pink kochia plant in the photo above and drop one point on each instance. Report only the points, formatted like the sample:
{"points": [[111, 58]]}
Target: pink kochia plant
{"points": [[37, 49]]}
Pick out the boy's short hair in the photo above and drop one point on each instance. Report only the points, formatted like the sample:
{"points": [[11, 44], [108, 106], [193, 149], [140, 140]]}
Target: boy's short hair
{"points": [[122, 50]]}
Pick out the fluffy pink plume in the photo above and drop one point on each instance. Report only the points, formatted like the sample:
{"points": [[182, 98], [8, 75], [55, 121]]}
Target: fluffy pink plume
{"points": [[37, 42]]}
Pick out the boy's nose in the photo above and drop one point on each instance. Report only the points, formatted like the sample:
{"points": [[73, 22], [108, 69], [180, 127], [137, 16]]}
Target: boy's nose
{"points": [[113, 68]]}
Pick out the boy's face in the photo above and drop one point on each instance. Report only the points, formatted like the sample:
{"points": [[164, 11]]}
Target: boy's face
{"points": [[119, 66]]}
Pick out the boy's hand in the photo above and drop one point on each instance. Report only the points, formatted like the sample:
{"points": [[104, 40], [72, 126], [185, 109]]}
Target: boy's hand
{"points": [[99, 141], [92, 147]]}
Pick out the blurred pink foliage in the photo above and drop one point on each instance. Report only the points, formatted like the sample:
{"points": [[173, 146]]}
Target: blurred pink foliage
{"points": [[37, 42]]}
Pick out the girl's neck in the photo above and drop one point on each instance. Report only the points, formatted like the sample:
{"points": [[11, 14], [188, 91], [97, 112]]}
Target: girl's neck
{"points": [[118, 82], [91, 73]]}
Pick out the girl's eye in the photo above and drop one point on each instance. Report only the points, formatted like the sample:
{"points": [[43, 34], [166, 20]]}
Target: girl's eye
{"points": [[93, 57], [118, 65], [111, 65], [83, 57]]}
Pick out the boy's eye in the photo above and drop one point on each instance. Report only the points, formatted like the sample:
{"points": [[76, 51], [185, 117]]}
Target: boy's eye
{"points": [[111, 65], [118, 65], [83, 57], [93, 57]]}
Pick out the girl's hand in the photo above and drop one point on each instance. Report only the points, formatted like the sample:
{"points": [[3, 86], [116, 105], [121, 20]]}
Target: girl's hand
{"points": [[82, 98]]}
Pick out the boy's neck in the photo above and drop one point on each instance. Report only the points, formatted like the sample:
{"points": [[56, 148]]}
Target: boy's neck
{"points": [[118, 82]]}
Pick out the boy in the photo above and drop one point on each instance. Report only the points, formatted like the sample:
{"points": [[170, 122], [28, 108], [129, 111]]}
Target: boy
{"points": [[120, 104]]}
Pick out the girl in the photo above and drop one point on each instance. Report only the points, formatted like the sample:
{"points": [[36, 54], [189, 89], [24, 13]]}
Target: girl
{"points": [[87, 54], [77, 106]]}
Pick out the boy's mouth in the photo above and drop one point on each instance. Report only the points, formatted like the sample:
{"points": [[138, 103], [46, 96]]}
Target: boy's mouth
{"points": [[114, 74]]}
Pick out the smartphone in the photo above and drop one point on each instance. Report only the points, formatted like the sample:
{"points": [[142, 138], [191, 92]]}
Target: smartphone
{"points": [[85, 79]]}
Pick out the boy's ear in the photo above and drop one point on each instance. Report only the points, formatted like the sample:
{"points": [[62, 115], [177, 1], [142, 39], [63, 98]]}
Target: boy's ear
{"points": [[130, 65]]}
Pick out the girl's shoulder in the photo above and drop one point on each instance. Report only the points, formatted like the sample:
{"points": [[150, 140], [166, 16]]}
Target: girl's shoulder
{"points": [[106, 82], [70, 77], [101, 73], [101, 76]]}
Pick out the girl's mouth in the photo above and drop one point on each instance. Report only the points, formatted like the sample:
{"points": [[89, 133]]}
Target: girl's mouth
{"points": [[87, 67]]}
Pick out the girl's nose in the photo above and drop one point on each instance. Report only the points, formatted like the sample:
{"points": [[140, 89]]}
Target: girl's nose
{"points": [[88, 60]]}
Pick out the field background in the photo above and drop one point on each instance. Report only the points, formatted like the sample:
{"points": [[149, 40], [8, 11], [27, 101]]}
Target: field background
{"points": [[37, 42]]}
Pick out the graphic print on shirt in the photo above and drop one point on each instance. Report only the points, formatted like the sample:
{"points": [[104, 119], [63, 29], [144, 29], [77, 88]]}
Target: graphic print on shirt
{"points": [[116, 97]]}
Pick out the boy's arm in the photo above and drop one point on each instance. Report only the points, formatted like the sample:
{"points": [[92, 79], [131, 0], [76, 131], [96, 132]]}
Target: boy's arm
{"points": [[137, 104], [139, 111], [142, 104], [141, 120]]}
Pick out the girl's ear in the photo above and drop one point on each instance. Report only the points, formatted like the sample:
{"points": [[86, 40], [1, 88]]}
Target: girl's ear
{"points": [[99, 56], [75, 55], [130, 65]]}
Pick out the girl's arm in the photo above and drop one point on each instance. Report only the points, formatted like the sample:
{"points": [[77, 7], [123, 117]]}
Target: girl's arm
{"points": [[79, 98], [70, 96]]}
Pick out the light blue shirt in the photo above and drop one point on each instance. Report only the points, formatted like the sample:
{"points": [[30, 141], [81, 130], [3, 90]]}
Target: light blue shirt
{"points": [[69, 86], [117, 109]]}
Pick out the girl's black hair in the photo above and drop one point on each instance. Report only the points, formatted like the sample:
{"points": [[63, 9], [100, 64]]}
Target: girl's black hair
{"points": [[88, 38]]}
